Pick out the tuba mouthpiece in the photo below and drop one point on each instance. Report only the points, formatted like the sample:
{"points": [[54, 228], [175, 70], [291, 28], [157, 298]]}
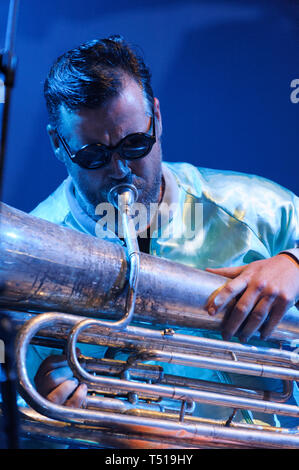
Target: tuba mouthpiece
{"points": [[122, 196]]}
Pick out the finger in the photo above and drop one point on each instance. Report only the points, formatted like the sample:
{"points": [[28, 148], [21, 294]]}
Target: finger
{"points": [[256, 318], [52, 362], [239, 313], [61, 393], [279, 308], [224, 296], [78, 398], [78, 351], [228, 272], [46, 383]]}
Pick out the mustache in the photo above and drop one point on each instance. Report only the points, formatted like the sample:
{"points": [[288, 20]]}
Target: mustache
{"points": [[128, 179]]}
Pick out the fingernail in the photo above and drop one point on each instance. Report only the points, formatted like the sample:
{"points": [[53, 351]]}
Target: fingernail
{"points": [[73, 381], [211, 311], [218, 301]]}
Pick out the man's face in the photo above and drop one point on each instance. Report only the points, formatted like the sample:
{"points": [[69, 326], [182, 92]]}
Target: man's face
{"points": [[125, 114]]}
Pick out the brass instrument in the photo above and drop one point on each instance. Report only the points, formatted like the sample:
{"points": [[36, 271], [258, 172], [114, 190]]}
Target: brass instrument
{"points": [[59, 286]]}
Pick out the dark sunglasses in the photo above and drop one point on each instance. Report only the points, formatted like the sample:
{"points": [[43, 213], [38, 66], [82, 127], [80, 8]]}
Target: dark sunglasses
{"points": [[131, 147]]}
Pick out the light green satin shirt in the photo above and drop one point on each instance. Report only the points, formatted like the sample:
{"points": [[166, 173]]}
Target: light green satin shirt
{"points": [[242, 218]]}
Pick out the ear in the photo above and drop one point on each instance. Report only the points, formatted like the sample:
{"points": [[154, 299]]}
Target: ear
{"points": [[54, 142], [158, 116]]}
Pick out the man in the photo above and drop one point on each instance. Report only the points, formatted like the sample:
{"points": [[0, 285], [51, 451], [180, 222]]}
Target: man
{"points": [[106, 127]]}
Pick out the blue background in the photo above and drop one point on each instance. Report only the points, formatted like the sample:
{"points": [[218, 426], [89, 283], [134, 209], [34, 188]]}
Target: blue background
{"points": [[221, 69]]}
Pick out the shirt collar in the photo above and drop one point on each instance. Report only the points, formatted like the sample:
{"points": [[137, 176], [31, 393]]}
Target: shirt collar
{"points": [[88, 225]]}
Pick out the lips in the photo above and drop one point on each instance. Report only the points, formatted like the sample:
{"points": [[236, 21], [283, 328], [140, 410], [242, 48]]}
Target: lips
{"points": [[130, 179]]}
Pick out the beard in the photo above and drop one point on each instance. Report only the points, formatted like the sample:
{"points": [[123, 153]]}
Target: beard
{"points": [[149, 192]]}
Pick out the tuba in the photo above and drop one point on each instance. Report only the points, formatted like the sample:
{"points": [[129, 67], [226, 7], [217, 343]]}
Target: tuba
{"points": [[60, 287]]}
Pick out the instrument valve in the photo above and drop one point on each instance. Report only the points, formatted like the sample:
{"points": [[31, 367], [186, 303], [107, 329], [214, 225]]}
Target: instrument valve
{"points": [[133, 398], [234, 357], [168, 332], [186, 406]]}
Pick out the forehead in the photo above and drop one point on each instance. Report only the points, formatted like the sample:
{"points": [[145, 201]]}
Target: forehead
{"points": [[119, 114]]}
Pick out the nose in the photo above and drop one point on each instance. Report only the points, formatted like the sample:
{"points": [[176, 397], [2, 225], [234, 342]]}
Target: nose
{"points": [[119, 167]]}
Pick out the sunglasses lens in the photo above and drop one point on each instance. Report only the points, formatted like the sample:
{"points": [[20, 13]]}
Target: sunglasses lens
{"points": [[136, 146], [92, 156], [96, 155]]}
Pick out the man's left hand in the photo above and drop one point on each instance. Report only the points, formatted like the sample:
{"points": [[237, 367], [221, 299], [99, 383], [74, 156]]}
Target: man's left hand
{"points": [[266, 289]]}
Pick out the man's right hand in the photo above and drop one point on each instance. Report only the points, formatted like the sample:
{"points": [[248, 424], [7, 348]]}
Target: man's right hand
{"points": [[54, 380]]}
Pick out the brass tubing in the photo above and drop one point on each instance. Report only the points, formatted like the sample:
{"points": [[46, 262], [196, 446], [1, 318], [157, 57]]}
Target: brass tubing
{"points": [[157, 390], [185, 432], [87, 276]]}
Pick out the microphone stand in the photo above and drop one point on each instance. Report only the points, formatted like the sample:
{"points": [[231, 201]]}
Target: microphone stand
{"points": [[8, 375]]}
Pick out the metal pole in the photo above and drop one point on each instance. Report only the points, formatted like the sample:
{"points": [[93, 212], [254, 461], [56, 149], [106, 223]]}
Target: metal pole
{"points": [[8, 376]]}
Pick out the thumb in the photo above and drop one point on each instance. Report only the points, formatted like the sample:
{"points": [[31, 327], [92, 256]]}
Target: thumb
{"points": [[227, 272]]}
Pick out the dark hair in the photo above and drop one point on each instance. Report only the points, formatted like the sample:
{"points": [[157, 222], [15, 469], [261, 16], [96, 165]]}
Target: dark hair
{"points": [[92, 73]]}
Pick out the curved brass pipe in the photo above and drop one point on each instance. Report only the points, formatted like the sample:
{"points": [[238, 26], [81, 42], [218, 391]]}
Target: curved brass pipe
{"points": [[46, 267], [94, 281]]}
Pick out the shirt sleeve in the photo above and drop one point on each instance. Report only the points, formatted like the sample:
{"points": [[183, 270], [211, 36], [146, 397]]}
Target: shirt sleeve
{"points": [[293, 252]]}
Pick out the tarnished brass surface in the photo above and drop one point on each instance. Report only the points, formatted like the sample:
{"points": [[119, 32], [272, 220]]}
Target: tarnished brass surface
{"points": [[45, 267]]}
